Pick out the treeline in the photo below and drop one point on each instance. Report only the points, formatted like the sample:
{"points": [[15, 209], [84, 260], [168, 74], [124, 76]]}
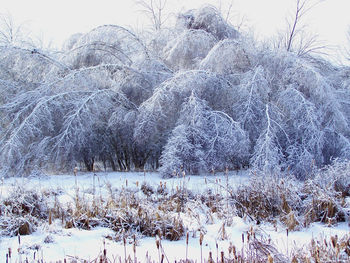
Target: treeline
{"points": [[196, 97]]}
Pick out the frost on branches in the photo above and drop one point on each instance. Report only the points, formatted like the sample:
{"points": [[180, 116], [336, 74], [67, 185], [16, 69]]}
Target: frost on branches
{"points": [[195, 97], [203, 139]]}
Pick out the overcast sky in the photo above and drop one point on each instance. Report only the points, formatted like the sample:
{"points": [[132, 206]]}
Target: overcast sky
{"points": [[56, 20]]}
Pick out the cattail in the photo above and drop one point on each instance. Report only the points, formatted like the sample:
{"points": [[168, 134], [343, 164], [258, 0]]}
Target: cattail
{"points": [[19, 239], [210, 259], [201, 236], [243, 238], [222, 257], [294, 260], [269, 259], [334, 241], [50, 217], [325, 242], [187, 235], [157, 243], [223, 232], [10, 252], [137, 183], [126, 182], [234, 252]]}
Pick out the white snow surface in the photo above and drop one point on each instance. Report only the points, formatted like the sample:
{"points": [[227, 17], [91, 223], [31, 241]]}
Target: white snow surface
{"points": [[89, 244]]}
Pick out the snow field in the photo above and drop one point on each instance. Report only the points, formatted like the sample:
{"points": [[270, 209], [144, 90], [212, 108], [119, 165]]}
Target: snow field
{"points": [[52, 242]]}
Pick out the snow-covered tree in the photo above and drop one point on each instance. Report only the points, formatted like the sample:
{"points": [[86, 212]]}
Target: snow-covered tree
{"points": [[304, 152], [107, 44], [249, 107], [227, 57], [196, 97], [159, 114], [60, 121], [13, 34], [268, 152], [209, 19], [188, 49], [203, 140]]}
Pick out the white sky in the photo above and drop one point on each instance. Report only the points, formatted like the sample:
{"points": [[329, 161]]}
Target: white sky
{"points": [[56, 20]]}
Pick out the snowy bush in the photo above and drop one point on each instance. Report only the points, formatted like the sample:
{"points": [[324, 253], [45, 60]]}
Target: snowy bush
{"points": [[203, 140], [226, 57], [110, 98], [188, 49], [208, 19], [21, 212], [107, 44], [268, 197]]}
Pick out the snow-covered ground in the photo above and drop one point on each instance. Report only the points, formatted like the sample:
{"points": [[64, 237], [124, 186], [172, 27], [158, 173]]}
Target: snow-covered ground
{"points": [[54, 242]]}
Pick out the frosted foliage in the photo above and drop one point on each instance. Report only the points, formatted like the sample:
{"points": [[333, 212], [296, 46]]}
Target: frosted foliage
{"points": [[196, 143], [331, 111], [209, 19], [71, 41], [152, 66], [160, 112], [251, 97], [268, 156], [61, 122], [188, 49], [197, 97], [108, 44], [137, 85], [345, 78], [23, 66], [308, 81], [8, 89], [160, 38], [227, 57]]}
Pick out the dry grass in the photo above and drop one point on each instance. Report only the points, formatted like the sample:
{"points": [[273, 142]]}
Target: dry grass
{"points": [[267, 198], [296, 204], [155, 211], [21, 212]]}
